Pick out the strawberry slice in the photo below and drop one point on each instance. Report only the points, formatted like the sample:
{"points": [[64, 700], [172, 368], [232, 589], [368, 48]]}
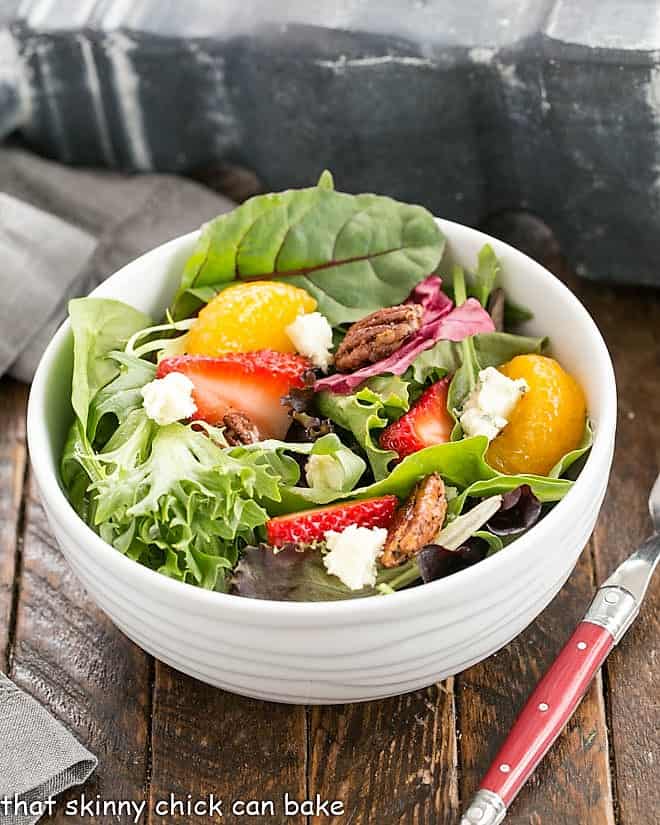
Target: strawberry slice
{"points": [[252, 382], [426, 423], [311, 525]]}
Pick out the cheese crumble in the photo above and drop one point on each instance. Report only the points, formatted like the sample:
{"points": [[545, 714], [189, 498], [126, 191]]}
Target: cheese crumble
{"points": [[169, 399]]}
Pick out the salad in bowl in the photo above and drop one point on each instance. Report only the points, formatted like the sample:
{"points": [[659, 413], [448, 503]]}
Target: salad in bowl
{"points": [[328, 410]]}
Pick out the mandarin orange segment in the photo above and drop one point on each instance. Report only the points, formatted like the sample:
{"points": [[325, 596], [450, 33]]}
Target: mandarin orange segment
{"points": [[547, 422], [247, 317]]}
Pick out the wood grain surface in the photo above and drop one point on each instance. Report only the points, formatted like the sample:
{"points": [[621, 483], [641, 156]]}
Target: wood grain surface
{"points": [[71, 658], [13, 465], [413, 759]]}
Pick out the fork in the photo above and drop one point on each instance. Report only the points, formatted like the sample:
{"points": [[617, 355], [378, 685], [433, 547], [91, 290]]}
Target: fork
{"points": [[614, 608]]}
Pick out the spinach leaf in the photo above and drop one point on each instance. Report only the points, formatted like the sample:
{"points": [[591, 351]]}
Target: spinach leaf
{"points": [[379, 401], [353, 253], [100, 325]]}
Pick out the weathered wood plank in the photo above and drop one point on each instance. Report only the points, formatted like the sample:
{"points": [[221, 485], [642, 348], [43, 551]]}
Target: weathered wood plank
{"points": [[70, 657], [392, 761], [206, 741], [630, 322], [13, 401], [572, 784]]}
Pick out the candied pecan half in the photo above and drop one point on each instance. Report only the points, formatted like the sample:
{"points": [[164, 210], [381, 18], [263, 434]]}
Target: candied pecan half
{"points": [[377, 336], [417, 522], [239, 429]]}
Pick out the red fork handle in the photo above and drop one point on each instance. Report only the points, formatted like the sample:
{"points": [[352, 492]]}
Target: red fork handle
{"points": [[548, 710]]}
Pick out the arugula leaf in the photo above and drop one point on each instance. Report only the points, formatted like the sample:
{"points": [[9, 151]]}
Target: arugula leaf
{"points": [[99, 326], [514, 314], [482, 282], [353, 253], [371, 408]]}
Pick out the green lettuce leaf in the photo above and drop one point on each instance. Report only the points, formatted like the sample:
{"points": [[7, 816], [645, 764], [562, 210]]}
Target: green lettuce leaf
{"points": [[123, 394], [99, 325], [344, 468], [379, 401], [353, 253], [491, 349], [172, 498], [462, 464], [569, 459], [296, 575]]}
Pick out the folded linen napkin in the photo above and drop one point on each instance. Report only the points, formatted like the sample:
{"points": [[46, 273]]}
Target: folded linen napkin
{"points": [[64, 230], [38, 757]]}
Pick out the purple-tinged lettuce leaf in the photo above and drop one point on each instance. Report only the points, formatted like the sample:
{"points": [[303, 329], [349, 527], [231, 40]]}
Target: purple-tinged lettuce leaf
{"points": [[295, 573], [440, 322], [519, 511], [436, 562]]}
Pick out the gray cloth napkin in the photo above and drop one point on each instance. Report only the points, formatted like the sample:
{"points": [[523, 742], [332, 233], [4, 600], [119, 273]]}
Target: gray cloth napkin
{"points": [[38, 757], [64, 230]]}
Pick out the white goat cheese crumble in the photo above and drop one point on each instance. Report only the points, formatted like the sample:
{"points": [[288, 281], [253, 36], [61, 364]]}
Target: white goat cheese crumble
{"points": [[491, 402], [169, 399], [352, 554], [311, 335]]}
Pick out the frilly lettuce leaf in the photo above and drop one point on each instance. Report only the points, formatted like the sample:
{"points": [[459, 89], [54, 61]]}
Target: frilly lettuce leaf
{"points": [[367, 411], [123, 394], [172, 498], [353, 253]]}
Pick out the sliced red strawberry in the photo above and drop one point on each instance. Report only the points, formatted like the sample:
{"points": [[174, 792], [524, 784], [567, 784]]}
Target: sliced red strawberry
{"points": [[253, 382], [311, 525], [426, 423]]}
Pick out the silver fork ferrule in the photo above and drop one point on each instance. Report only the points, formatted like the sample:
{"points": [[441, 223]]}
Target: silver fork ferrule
{"points": [[614, 609], [486, 808]]}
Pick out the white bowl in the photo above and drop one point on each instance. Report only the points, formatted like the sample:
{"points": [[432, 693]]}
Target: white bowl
{"points": [[336, 651]]}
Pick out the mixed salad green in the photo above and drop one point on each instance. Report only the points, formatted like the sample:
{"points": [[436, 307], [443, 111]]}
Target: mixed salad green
{"points": [[199, 500]]}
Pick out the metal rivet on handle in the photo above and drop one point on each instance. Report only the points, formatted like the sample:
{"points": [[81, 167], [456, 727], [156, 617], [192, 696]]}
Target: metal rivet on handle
{"points": [[612, 597], [476, 812], [581, 645], [543, 707], [505, 768]]}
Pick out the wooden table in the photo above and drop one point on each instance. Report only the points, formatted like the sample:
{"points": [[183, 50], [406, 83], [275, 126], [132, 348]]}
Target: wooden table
{"points": [[412, 759]]}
